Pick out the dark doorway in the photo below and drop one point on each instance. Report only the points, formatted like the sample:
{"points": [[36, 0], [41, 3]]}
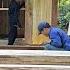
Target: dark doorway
{"points": [[4, 20]]}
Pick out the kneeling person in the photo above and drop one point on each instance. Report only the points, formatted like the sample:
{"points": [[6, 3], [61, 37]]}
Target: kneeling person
{"points": [[59, 39]]}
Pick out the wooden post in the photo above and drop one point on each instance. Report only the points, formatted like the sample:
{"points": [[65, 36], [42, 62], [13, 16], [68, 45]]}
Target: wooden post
{"points": [[28, 22], [54, 19]]}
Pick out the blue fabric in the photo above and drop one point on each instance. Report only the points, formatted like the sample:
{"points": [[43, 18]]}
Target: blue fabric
{"points": [[59, 38], [50, 47]]}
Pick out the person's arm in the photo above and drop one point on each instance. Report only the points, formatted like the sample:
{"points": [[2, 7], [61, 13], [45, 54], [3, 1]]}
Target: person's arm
{"points": [[55, 39]]}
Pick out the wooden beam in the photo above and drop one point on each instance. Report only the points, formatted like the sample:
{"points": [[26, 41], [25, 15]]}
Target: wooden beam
{"points": [[24, 47], [42, 67], [34, 66], [28, 21], [54, 19], [35, 60], [34, 53]]}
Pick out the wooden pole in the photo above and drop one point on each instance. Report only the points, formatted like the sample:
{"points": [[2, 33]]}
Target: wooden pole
{"points": [[54, 19]]}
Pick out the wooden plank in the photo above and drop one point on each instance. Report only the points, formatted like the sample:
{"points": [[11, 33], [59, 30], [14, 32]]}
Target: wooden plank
{"points": [[41, 57], [35, 60], [37, 68], [33, 66], [45, 53], [19, 47], [54, 16]]}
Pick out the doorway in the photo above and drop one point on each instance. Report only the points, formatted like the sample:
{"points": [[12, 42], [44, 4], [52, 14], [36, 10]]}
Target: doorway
{"points": [[4, 4]]}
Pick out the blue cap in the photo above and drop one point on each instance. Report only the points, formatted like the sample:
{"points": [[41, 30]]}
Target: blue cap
{"points": [[43, 25]]}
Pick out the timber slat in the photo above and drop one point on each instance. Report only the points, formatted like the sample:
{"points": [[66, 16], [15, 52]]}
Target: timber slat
{"points": [[24, 47], [35, 68], [35, 60]]}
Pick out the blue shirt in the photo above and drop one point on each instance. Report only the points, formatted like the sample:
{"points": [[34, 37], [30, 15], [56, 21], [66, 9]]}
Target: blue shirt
{"points": [[59, 38]]}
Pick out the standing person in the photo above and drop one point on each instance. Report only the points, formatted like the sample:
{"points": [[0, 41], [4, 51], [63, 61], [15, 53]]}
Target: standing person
{"points": [[59, 40], [14, 12]]}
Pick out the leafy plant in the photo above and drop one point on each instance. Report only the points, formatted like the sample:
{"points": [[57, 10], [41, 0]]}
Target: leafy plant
{"points": [[64, 13]]}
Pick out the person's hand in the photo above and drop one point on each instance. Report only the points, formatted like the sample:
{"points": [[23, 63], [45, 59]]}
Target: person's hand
{"points": [[18, 23], [16, 26], [19, 26]]}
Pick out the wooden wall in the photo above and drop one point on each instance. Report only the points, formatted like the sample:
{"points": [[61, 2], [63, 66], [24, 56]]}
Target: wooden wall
{"points": [[38, 10], [41, 11]]}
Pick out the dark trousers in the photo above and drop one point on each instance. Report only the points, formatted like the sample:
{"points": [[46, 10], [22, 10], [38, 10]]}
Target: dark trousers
{"points": [[12, 35]]}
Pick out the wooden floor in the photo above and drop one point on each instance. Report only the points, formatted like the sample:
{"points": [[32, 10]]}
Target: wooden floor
{"points": [[12, 58], [27, 60], [32, 60], [32, 69], [18, 41], [20, 47]]}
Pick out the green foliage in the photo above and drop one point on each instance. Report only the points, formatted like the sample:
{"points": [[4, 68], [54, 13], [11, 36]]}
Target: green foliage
{"points": [[64, 12]]}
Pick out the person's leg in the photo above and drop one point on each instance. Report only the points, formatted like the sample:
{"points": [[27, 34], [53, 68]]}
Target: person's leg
{"points": [[12, 35], [11, 40], [50, 47]]}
